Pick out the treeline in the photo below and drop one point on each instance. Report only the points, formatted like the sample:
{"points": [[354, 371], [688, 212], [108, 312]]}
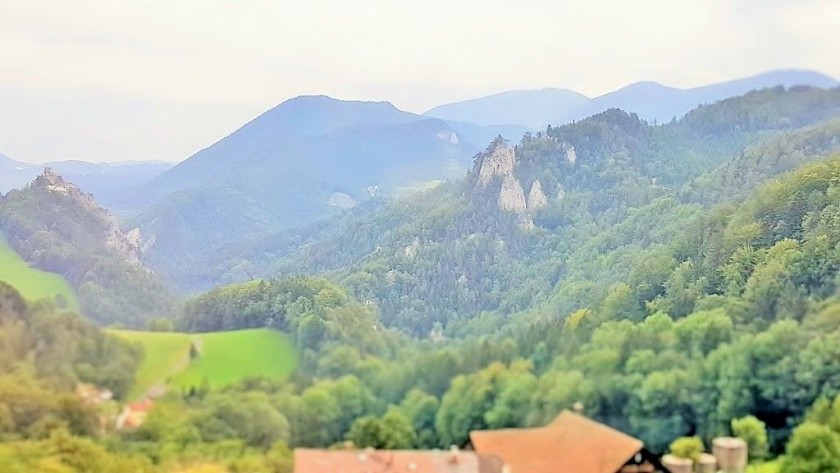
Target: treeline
{"points": [[313, 310]]}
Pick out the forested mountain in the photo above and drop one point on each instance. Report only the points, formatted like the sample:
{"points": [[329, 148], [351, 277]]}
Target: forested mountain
{"points": [[299, 162], [553, 220], [650, 100], [532, 108], [55, 226]]}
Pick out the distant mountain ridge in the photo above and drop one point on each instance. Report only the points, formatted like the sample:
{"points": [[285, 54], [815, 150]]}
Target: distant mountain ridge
{"points": [[650, 100], [297, 163], [106, 181]]}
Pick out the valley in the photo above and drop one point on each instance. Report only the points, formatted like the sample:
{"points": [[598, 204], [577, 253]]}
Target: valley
{"points": [[641, 275]]}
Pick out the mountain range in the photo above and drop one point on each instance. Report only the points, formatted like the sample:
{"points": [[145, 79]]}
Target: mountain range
{"points": [[652, 101], [106, 181], [299, 162], [313, 157]]}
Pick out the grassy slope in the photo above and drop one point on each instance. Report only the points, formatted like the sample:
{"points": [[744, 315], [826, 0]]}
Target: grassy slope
{"points": [[32, 283], [165, 354], [226, 357]]}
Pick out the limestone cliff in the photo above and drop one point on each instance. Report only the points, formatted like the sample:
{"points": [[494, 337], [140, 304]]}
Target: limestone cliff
{"points": [[512, 196], [500, 162], [536, 197], [126, 245], [571, 156]]}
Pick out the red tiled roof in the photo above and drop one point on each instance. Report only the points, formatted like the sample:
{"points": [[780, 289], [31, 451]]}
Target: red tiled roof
{"points": [[393, 461], [570, 444], [142, 406]]}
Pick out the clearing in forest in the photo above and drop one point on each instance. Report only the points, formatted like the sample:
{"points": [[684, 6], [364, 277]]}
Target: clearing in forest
{"points": [[222, 358]]}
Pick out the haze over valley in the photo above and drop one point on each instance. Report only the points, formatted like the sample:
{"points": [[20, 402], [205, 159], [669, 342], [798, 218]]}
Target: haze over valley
{"points": [[481, 239]]}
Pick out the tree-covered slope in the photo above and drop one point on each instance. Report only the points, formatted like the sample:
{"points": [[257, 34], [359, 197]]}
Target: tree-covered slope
{"points": [[563, 214], [56, 227], [302, 161]]}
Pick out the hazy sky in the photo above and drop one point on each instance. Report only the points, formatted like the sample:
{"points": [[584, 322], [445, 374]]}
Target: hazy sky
{"points": [[110, 80]]}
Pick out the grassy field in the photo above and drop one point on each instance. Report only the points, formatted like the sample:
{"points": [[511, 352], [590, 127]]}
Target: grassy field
{"points": [[33, 283], [165, 355], [225, 358]]}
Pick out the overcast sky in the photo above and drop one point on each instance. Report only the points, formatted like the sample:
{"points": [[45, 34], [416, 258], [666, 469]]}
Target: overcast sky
{"points": [[111, 80]]}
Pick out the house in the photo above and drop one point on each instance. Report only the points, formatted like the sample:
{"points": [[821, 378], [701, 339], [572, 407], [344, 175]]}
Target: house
{"points": [[393, 461], [134, 414], [570, 444], [93, 394]]}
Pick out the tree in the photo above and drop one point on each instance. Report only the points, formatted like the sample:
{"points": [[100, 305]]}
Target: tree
{"points": [[421, 408], [754, 433], [687, 447], [813, 448], [390, 432]]}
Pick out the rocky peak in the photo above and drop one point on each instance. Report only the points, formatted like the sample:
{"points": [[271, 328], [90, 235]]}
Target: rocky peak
{"points": [[536, 197], [498, 162], [512, 196], [126, 245]]}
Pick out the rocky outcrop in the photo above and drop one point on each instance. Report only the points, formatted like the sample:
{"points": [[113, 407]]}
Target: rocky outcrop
{"points": [[571, 156], [512, 196], [126, 245], [536, 197], [450, 137], [500, 162], [411, 250], [341, 200]]}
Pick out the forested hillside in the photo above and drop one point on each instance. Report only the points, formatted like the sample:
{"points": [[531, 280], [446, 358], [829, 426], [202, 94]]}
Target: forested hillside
{"points": [[557, 219], [44, 355], [686, 344], [56, 227]]}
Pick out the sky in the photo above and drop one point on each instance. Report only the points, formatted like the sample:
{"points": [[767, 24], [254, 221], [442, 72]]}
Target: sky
{"points": [[105, 80]]}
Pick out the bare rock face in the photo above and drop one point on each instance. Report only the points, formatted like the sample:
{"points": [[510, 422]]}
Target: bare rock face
{"points": [[451, 137], [341, 200], [500, 163], [411, 250], [512, 196], [126, 245], [536, 197], [571, 156]]}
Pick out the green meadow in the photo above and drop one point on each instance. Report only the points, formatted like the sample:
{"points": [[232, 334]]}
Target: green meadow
{"points": [[33, 283], [223, 358]]}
